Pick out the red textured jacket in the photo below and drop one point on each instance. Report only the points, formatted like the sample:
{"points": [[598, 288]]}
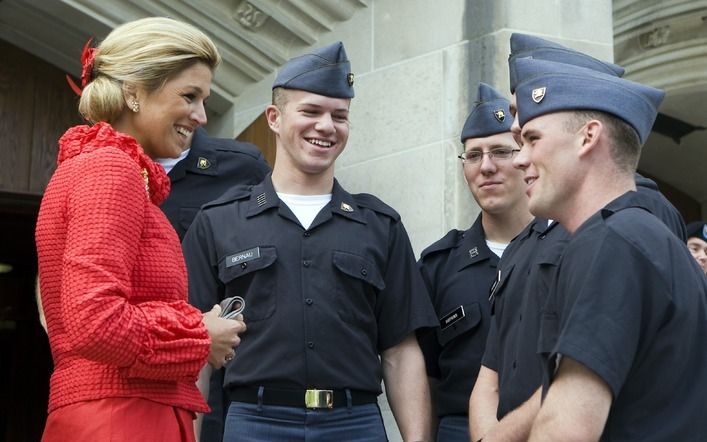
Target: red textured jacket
{"points": [[113, 279]]}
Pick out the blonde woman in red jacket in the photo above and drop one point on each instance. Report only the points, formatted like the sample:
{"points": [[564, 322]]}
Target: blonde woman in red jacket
{"points": [[127, 346]]}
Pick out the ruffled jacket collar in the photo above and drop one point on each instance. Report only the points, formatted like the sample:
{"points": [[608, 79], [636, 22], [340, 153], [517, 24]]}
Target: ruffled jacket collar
{"points": [[85, 139]]}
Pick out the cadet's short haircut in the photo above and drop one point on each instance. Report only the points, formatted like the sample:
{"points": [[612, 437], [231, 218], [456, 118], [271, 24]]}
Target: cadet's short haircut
{"points": [[625, 144], [279, 97]]}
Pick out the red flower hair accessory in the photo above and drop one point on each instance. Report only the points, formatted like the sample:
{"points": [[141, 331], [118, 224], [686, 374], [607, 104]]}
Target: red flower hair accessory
{"points": [[87, 56]]}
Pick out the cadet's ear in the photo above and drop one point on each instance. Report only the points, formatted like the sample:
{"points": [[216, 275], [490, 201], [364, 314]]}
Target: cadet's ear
{"points": [[591, 133], [272, 114]]}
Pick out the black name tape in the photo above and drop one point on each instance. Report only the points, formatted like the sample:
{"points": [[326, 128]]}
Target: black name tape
{"points": [[452, 317], [244, 256]]}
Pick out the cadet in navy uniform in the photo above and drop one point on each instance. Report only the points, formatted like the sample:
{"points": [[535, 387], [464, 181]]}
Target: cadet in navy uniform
{"points": [[204, 171], [506, 397], [459, 268], [333, 295], [623, 325], [697, 242]]}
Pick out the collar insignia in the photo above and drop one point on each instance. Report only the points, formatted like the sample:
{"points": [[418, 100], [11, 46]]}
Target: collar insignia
{"points": [[346, 208], [473, 253], [203, 163]]}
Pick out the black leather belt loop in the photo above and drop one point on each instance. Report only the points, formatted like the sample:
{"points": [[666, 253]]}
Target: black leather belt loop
{"points": [[314, 398]]}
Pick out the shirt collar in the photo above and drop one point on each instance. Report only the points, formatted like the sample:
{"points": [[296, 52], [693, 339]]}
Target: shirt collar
{"points": [[264, 197]]}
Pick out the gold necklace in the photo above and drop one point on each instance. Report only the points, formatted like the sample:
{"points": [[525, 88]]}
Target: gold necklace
{"points": [[147, 181]]}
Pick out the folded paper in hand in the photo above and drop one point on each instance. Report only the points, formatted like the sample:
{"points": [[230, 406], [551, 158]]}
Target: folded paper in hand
{"points": [[232, 307]]}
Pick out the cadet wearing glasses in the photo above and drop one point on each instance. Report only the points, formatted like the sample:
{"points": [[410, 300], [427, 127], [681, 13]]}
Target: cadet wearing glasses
{"points": [[459, 268], [475, 156]]}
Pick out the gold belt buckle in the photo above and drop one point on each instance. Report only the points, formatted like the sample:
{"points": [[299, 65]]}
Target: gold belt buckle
{"points": [[319, 399]]}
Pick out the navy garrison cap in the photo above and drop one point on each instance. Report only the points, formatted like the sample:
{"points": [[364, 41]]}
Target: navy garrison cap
{"points": [[490, 116], [698, 229], [530, 46], [326, 71], [546, 87]]}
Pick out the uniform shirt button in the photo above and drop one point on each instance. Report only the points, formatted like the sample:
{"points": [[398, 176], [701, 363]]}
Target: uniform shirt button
{"points": [[309, 301], [364, 272], [310, 344], [306, 234], [306, 263], [244, 265]]}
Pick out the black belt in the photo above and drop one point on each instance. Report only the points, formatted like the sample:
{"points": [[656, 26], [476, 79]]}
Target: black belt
{"points": [[313, 398]]}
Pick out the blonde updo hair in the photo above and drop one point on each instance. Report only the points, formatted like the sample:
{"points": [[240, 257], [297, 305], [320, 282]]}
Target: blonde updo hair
{"points": [[147, 53]]}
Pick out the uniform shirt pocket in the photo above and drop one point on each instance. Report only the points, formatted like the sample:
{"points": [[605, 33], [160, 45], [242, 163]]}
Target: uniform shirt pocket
{"points": [[250, 273], [548, 260], [468, 318], [358, 281], [549, 332], [496, 290]]}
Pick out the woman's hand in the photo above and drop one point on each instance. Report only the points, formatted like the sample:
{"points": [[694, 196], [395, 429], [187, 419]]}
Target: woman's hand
{"points": [[224, 336]]}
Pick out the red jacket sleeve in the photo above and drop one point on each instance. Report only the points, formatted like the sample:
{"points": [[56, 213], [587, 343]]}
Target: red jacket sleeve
{"points": [[106, 210]]}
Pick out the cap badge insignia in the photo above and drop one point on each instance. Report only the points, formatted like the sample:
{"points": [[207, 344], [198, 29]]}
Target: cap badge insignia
{"points": [[203, 163], [350, 78], [500, 115], [346, 208], [538, 94]]}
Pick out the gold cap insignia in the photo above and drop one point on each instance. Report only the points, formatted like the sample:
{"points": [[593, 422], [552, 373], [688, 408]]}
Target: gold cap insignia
{"points": [[538, 94], [500, 115], [346, 208], [203, 163], [350, 78]]}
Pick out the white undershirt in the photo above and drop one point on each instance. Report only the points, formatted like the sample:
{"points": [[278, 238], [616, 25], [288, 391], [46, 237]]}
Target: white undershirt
{"points": [[496, 247], [169, 163], [305, 207]]}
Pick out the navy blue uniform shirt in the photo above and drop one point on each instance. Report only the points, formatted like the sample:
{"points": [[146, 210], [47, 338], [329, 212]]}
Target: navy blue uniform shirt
{"points": [[659, 206], [321, 303], [212, 166], [630, 303], [526, 270], [458, 271]]}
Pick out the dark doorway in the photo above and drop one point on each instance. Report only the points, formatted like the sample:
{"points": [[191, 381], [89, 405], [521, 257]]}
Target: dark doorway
{"points": [[25, 364]]}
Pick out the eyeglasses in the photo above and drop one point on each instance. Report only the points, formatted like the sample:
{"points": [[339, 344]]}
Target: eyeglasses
{"points": [[475, 156]]}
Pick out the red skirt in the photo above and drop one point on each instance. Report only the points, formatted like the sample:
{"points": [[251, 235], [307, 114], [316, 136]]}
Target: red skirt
{"points": [[119, 420]]}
